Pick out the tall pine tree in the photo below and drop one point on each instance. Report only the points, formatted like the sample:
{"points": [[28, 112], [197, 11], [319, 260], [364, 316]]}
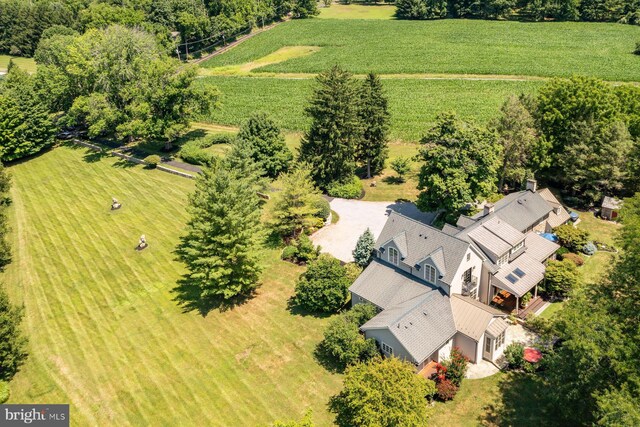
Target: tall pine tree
{"points": [[220, 246], [335, 131], [13, 344], [372, 149]]}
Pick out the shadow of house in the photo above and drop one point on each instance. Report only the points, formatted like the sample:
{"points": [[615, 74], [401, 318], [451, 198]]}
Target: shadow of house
{"points": [[410, 210]]}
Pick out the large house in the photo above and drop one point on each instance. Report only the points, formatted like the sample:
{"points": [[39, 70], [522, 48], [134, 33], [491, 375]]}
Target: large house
{"points": [[436, 289]]}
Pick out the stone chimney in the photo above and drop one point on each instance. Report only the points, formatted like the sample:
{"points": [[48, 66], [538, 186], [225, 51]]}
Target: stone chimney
{"points": [[489, 208], [532, 185]]}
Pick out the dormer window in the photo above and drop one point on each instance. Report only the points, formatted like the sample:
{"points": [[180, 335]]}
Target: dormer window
{"points": [[517, 247], [393, 256], [430, 274]]}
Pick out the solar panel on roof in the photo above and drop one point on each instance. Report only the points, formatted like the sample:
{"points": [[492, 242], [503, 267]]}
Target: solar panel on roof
{"points": [[512, 278], [519, 273]]}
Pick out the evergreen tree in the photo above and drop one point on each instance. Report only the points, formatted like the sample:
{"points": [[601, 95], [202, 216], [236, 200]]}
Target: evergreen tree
{"points": [[26, 126], [460, 165], [372, 149], [363, 253], [266, 143], [335, 131], [220, 246], [5, 201], [13, 352], [295, 208]]}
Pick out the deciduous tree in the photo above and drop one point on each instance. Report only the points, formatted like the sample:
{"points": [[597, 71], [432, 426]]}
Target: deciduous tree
{"points": [[13, 351], [324, 286]]}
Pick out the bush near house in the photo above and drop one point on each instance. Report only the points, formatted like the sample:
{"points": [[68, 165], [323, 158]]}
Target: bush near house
{"points": [[456, 366], [524, 301], [589, 249], [514, 354], [301, 250], [575, 258], [446, 390], [571, 237], [324, 286], [561, 277], [343, 340]]}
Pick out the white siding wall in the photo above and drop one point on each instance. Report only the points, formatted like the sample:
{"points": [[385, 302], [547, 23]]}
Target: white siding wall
{"points": [[475, 262], [467, 346], [445, 351]]}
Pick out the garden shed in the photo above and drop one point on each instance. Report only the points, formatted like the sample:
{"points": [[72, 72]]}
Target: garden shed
{"points": [[610, 208]]}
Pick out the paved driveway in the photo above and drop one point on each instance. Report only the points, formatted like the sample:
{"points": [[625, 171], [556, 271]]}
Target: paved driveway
{"points": [[355, 216]]}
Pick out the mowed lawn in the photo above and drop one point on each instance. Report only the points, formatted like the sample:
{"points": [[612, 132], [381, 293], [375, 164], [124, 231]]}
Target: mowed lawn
{"points": [[452, 46], [27, 64], [413, 103], [105, 333]]}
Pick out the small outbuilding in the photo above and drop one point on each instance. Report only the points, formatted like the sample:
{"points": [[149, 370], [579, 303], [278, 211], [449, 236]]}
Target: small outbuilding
{"points": [[610, 208]]}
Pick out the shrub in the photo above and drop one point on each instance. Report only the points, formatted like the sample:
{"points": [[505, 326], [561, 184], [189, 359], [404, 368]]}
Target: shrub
{"points": [[289, 253], [4, 391], [193, 153], [353, 271], [446, 390], [401, 166], [305, 249], [349, 189], [343, 341], [514, 355], [153, 160], [322, 206], [589, 249], [363, 253], [562, 252], [456, 367], [575, 258], [571, 237], [360, 314], [529, 367], [561, 277], [324, 286], [525, 300]]}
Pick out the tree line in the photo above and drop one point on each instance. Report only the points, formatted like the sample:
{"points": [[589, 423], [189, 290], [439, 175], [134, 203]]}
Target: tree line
{"points": [[623, 11], [24, 22]]}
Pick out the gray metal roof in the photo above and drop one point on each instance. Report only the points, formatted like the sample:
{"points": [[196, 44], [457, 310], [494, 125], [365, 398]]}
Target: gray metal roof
{"points": [[422, 324], [520, 275], [495, 235], [423, 240], [471, 316], [538, 247], [386, 286], [559, 214], [465, 221], [521, 209], [497, 327], [450, 229]]}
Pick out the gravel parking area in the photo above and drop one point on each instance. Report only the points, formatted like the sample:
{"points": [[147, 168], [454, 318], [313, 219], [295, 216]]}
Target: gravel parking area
{"points": [[355, 216]]}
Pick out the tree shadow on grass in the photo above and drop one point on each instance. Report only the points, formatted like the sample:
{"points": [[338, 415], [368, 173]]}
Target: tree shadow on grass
{"points": [[124, 164], [190, 298], [298, 310], [92, 156], [523, 401], [393, 180], [326, 360], [273, 240]]}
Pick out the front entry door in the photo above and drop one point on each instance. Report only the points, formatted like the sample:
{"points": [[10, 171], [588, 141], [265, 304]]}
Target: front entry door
{"points": [[488, 348]]}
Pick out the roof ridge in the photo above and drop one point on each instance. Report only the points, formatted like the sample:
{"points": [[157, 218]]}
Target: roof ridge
{"points": [[404, 313], [428, 226]]}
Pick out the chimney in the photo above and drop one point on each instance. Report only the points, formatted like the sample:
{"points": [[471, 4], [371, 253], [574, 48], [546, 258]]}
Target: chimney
{"points": [[489, 208], [532, 185]]}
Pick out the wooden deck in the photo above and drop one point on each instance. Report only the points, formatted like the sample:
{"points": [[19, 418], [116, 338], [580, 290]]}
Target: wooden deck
{"points": [[428, 370], [508, 305]]}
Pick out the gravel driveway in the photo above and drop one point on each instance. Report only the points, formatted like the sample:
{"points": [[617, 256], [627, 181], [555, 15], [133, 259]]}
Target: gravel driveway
{"points": [[355, 216]]}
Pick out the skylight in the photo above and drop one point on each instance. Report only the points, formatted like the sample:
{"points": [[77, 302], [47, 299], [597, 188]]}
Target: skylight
{"points": [[513, 279], [519, 273]]}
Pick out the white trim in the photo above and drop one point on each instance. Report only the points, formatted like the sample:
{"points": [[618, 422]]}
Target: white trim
{"points": [[396, 256], [430, 269]]}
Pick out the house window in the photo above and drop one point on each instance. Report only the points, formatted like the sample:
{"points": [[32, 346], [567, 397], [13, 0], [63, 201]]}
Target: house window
{"points": [[487, 345], [499, 341], [430, 274], [473, 293], [503, 259], [517, 247], [386, 349], [393, 256], [468, 256]]}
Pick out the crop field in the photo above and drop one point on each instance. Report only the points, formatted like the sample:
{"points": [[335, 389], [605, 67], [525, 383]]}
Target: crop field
{"points": [[449, 46], [413, 103], [105, 333]]}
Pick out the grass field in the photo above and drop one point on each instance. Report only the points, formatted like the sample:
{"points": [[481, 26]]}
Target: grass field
{"points": [[105, 334], [28, 64], [413, 103], [449, 46]]}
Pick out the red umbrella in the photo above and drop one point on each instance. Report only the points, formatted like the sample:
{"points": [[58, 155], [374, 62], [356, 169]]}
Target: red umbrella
{"points": [[532, 355]]}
